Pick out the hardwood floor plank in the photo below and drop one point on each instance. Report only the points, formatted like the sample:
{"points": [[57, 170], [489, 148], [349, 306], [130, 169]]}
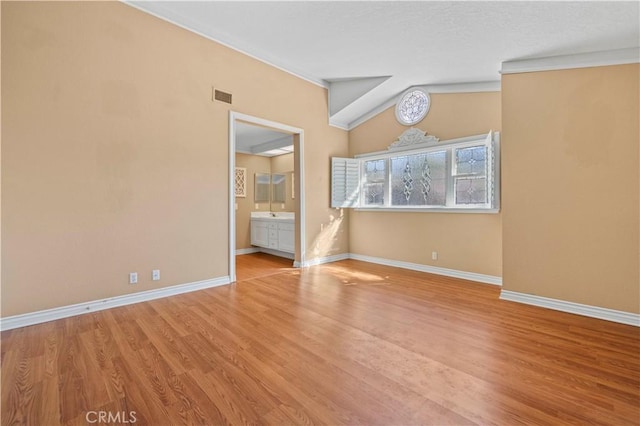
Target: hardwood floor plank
{"points": [[137, 396], [205, 411], [338, 344], [165, 338]]}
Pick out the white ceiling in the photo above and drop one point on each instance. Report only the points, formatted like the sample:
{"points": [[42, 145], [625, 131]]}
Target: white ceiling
{"points": [[412, 43], [261, 141]]}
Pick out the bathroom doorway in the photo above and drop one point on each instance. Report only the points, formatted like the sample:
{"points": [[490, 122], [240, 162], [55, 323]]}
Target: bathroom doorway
{"points": [[266, 191]]}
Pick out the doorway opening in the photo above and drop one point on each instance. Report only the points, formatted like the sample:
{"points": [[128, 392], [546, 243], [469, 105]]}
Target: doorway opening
{"points": [[256, 192]]}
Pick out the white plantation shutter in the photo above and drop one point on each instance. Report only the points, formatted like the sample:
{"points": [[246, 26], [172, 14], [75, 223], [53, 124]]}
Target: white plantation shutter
{"points": [[345, 182]]}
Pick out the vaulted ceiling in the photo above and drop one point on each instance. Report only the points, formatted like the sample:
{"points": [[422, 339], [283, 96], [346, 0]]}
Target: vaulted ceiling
{"points": [[367, 53]]}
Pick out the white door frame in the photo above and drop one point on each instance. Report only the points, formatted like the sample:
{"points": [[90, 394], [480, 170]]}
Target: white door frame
{"points": [[300, 218]]}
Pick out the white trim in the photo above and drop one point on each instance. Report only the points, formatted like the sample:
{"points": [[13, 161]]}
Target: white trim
{"points": [[264, 122], [375, 111], [250, 250], [428, 210], [471, 140], [46, 315], [572, 308], [322, 260], [472, 276], [339, 124], [300, 218], [170, 16], [232, 198], [582, 60], [472, 87]]}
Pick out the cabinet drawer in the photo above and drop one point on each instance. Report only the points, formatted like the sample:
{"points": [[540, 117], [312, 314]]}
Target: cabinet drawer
{"points": [[273, 244], [286, 226], [273, 226], [273, 234]]}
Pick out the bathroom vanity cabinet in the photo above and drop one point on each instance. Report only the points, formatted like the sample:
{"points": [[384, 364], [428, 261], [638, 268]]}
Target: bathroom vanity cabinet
{"points": [[276, 233]]}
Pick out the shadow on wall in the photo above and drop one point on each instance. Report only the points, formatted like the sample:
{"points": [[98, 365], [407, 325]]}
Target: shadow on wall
{"points": [[325, 241]]}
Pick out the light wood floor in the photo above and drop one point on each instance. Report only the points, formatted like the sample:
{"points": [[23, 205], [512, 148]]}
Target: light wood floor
{"points": [[344, 343]]}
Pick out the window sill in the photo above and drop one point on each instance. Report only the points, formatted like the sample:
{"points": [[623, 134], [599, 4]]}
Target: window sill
{"points": [[429, 210]]}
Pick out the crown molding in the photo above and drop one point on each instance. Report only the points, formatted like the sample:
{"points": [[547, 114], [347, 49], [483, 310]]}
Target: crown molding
{"points": [[338, 124], [472, 87], [173, 18], [582, 60]]}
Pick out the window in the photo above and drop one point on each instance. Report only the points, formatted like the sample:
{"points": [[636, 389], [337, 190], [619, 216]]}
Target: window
{"points": [[422, 174], [413, 106]]}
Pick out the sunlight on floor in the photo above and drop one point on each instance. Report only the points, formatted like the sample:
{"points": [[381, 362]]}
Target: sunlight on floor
{"points": [[355, 278]]}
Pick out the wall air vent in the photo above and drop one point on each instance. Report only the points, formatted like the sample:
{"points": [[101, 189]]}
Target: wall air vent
{"points": [[221, 96]]}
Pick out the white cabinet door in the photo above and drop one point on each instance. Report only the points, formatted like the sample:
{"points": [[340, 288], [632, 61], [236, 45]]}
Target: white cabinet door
{"points": [[259, 233], [286, 237]]}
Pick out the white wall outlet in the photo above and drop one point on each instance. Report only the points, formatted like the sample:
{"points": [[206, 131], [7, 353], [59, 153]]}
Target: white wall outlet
{"points": [[133, 278], [257, 206], [155, 275], [282, 206], [434, 255]]}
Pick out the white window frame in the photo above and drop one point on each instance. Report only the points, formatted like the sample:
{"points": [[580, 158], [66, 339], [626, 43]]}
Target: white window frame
{"points": [[490, 140]]}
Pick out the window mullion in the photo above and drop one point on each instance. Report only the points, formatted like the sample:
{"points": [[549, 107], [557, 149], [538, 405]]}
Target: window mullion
{"points": [[387, 183], [363, 182], [450, 198], [490, 175]]}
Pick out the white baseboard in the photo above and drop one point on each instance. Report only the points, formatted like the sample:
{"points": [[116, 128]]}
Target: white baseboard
{"points": [[487, 279], [321, 260], [472, 276], [46, 315], [249, 250], [572, 308]]}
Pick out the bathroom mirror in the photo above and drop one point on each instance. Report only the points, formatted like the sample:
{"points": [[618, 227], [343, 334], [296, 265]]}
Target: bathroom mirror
{"points": [[278, 188], [262, 187]]}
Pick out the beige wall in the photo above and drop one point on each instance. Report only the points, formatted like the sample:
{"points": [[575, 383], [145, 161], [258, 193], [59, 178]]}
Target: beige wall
{"points": [[115, 159], [245, 205], [570, 188], [464, 241]]}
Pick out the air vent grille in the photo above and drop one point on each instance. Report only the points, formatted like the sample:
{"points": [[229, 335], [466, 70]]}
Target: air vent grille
{"points": [[222, 96]]}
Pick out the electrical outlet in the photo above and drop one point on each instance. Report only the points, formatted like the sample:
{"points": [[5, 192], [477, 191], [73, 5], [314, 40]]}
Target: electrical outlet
{"points": [[434, 255], [133, 278], [155, 275]]}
